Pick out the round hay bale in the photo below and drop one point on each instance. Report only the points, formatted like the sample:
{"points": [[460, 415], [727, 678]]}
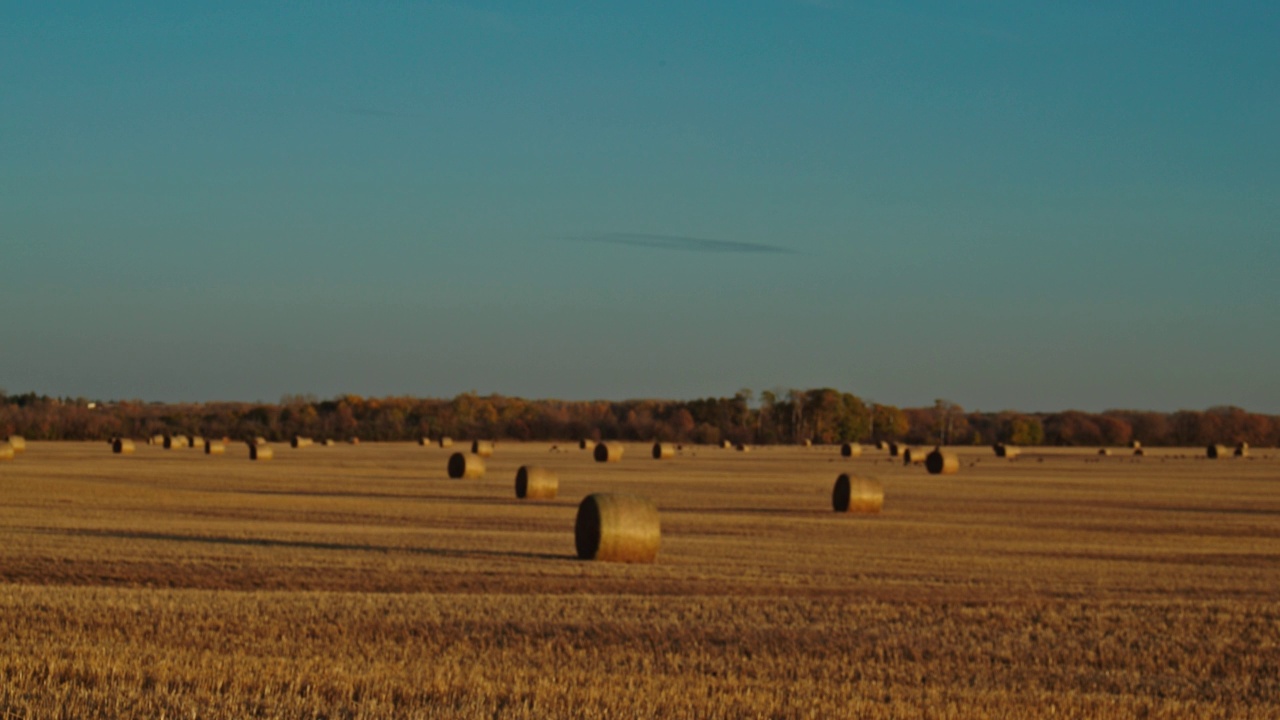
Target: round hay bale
{"points": [[329, 442], [1006, 451], [260, 452], [536, 483], [608, 452], [465, 466], [446, 442], [195, 441], [942, 463], [259, 441], [424, 441], [170, 442], [913, 456], [1242, 450], [483, 448], [725, 444], [742, 447], [807, 442], [6, 451], [354, 440], [122, 446], [662, 451], [299, 441], [18, 443], [1213, 452], [879, 444], [853, 494], [851, 449], [1135, 444], [1104, 451], [894, 449], [585, 444], [617, 528], [214, 447]]}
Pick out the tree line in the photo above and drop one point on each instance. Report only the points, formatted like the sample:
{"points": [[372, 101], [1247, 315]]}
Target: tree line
{"points": [[824, 416]]}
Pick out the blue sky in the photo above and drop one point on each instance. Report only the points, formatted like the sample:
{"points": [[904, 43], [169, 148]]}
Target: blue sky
{"points": [[1032, 205]]}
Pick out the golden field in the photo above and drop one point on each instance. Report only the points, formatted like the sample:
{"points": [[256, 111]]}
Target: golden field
{"points": [[360, 582]]}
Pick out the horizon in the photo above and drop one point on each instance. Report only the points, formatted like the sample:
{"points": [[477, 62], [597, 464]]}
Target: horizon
{"points": [[1003, 205]]}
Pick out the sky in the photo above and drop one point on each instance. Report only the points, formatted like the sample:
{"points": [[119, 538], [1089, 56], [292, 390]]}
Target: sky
{"points": [[1011, 205]]}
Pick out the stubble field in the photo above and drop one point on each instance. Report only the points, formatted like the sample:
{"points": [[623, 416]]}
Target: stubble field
{"points": [[360, 582]]}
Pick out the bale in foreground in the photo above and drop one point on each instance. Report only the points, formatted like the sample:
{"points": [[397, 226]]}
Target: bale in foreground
{"points": [[463, 465], [617, 528], [853, 494], [608, 452], [536, 483], [942, 463], [662, 451], [122, 446]]}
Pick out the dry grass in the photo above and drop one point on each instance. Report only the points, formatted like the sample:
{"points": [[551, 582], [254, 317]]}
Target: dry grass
{"points": [[358, 581]]}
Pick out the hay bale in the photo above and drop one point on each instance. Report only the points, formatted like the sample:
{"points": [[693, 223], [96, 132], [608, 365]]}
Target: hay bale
{"points": [[913, 456], [1242, 450], [879, 444], [424, 441], [742, 447], [122, 446], [1213, 452], [6, 451], [1135, 444], [353, 440], [259, 441], [18, 443], [329, 442], [214, 447], [1104, 451], [483, 448], [894, 449], [725, 444], [536, 483], [260, 452], [608, 452], [853, 494], [465, 466], [807, 442], [662, 451], [585, 444], [195, 441], [942, 463], [851, 449], [299, 441], [446, 442], [617, 528], [1005, 451], [174, 441]]}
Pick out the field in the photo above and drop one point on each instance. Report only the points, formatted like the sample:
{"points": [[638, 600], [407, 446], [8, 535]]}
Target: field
{"points": [[360, 582]]}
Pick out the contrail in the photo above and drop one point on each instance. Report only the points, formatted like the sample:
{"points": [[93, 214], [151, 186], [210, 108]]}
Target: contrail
{"points": [[688, 244]]}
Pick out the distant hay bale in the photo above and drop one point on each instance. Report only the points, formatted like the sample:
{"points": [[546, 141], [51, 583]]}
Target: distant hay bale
{"points": [[299, 441], [353, 440], [617, 528], [465, 466], [742, 447], [260, 452], [6, 451], [174, 441], [122, 446], [1242, 450], [851, 449], [329, 442], [483, 448], [608, 452], [662, 451], [1005, 451], [879, 444], [585, 444], [807, 442], [894, 449], [726, 444], [446, 441], [18, 443], [214, 447], [536, 483], [1135, 444], [853, 494], [195, 441], [424, 441], [913, 456], [1104, 451], [942, 463], [1213, 452]]}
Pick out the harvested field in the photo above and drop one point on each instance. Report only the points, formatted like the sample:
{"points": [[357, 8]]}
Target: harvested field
{"points": [[362, 582]]}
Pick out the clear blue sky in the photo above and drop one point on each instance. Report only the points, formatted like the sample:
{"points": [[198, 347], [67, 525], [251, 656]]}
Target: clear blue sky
{"points": [[1033, 205]]}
